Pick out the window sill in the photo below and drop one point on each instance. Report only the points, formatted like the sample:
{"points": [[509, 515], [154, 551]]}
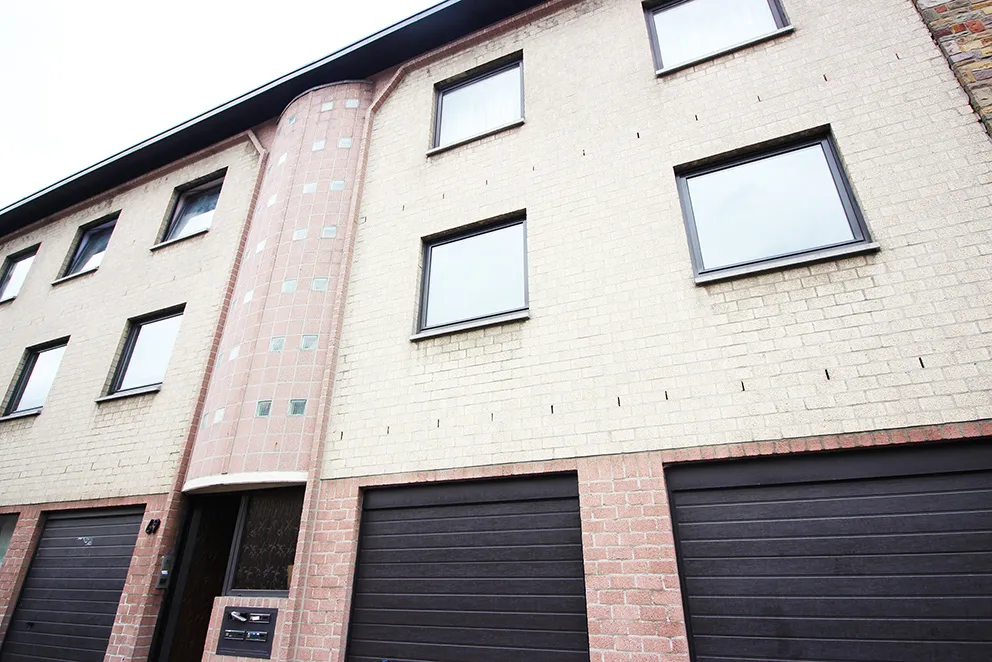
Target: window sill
{"points": [[74, 276], [664, 71], [479, 136], [131, 393], [517, 316], [170, 242], [787, 262], [21, 414]]}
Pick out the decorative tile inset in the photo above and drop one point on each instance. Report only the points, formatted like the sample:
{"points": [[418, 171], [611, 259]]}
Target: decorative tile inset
{"points": [[259, 247], [234, 353], [272, 200], [324, 107], [282, 159], [292, 120], [299, 233], [329, 232], [263, 409], [337, 185], [344, 143], [277, 343], [310, 188], [319, 145], [219, 415], [308, 342], [288, 286], [352, 103], [320, 284], [297, 407], [249, 295]]}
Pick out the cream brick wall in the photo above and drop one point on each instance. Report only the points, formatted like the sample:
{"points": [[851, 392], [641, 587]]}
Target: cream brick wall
{"points": [[78, 449], [615, 312]]}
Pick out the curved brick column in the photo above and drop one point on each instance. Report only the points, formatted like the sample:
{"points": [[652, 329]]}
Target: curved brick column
{"points": [[284, 296]]}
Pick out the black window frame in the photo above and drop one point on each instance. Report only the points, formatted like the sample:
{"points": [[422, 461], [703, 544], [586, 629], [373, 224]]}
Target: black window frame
{"points": [[81, 240], [8, 268], [13, 519], [470, 77], [134, 326], [179, 197], [475, 230], [235, 552], [855, 216], [25, 371], [651, 8]]}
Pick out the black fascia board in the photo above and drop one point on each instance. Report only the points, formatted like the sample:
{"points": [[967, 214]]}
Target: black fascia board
{"points": [[430, 29]]}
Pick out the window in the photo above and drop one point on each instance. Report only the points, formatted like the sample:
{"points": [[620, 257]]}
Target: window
{"points": [[7, 523], [769, 208], [193, 210], [297, 407], [15, 272], [473, 276], [36, 378], [90, 247], [263, 409], [687, 31], [265, 542], [147, 351], [482, 104]]}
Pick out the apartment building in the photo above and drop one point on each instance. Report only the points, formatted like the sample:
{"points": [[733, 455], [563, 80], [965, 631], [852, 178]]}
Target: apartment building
{"points": [[567, 330]]}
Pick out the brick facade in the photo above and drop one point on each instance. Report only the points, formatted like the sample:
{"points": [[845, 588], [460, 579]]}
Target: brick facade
{"points": [[963, 30]]}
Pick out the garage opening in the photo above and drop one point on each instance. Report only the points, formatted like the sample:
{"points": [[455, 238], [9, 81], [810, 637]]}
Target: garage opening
{"points": [[849, 556], [486, 571], [69, 599]]}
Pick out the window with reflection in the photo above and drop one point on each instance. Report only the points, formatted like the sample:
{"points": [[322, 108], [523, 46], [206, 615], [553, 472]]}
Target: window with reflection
{"points": [[7, 523], [474, 275], [147, 351], [92, 244], [15, 272], [795, 200], [265, 542], [194, 210], [480, 104], [687, 31], [36, 377]]}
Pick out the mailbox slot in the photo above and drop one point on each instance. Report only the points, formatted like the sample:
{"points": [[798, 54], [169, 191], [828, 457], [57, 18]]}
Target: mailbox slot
{"points": [[247, 632]]}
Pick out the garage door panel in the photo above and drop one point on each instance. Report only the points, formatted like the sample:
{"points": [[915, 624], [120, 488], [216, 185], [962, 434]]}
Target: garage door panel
{"points": [[470, 511], [756, 648], [74, 629], [473, 586], [565, 622], [361, 650], [520, 570], [874, 555], [841, 586], [536, 553], [904, 564], [853, 628], [58, 639], [867, 545], [977, 521], [35, 652], [84, 552], [84, 620], [842, 489], [836, 506], [922, 608], [490, 570], [475, 603], [119, 542], [441, 524], [481, 636], [96, 585], [523, 538]]}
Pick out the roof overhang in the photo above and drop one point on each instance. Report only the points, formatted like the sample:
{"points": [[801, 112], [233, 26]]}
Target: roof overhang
{"points": [[419, 34]]}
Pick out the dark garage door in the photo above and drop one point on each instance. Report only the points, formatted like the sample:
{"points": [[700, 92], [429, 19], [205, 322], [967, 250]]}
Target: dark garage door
{"points": [[880, 556], [69, 599], [471, 572]]}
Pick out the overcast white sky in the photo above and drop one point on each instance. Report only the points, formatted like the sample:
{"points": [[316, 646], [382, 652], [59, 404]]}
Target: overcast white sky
{"points": [[83, 79]]}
